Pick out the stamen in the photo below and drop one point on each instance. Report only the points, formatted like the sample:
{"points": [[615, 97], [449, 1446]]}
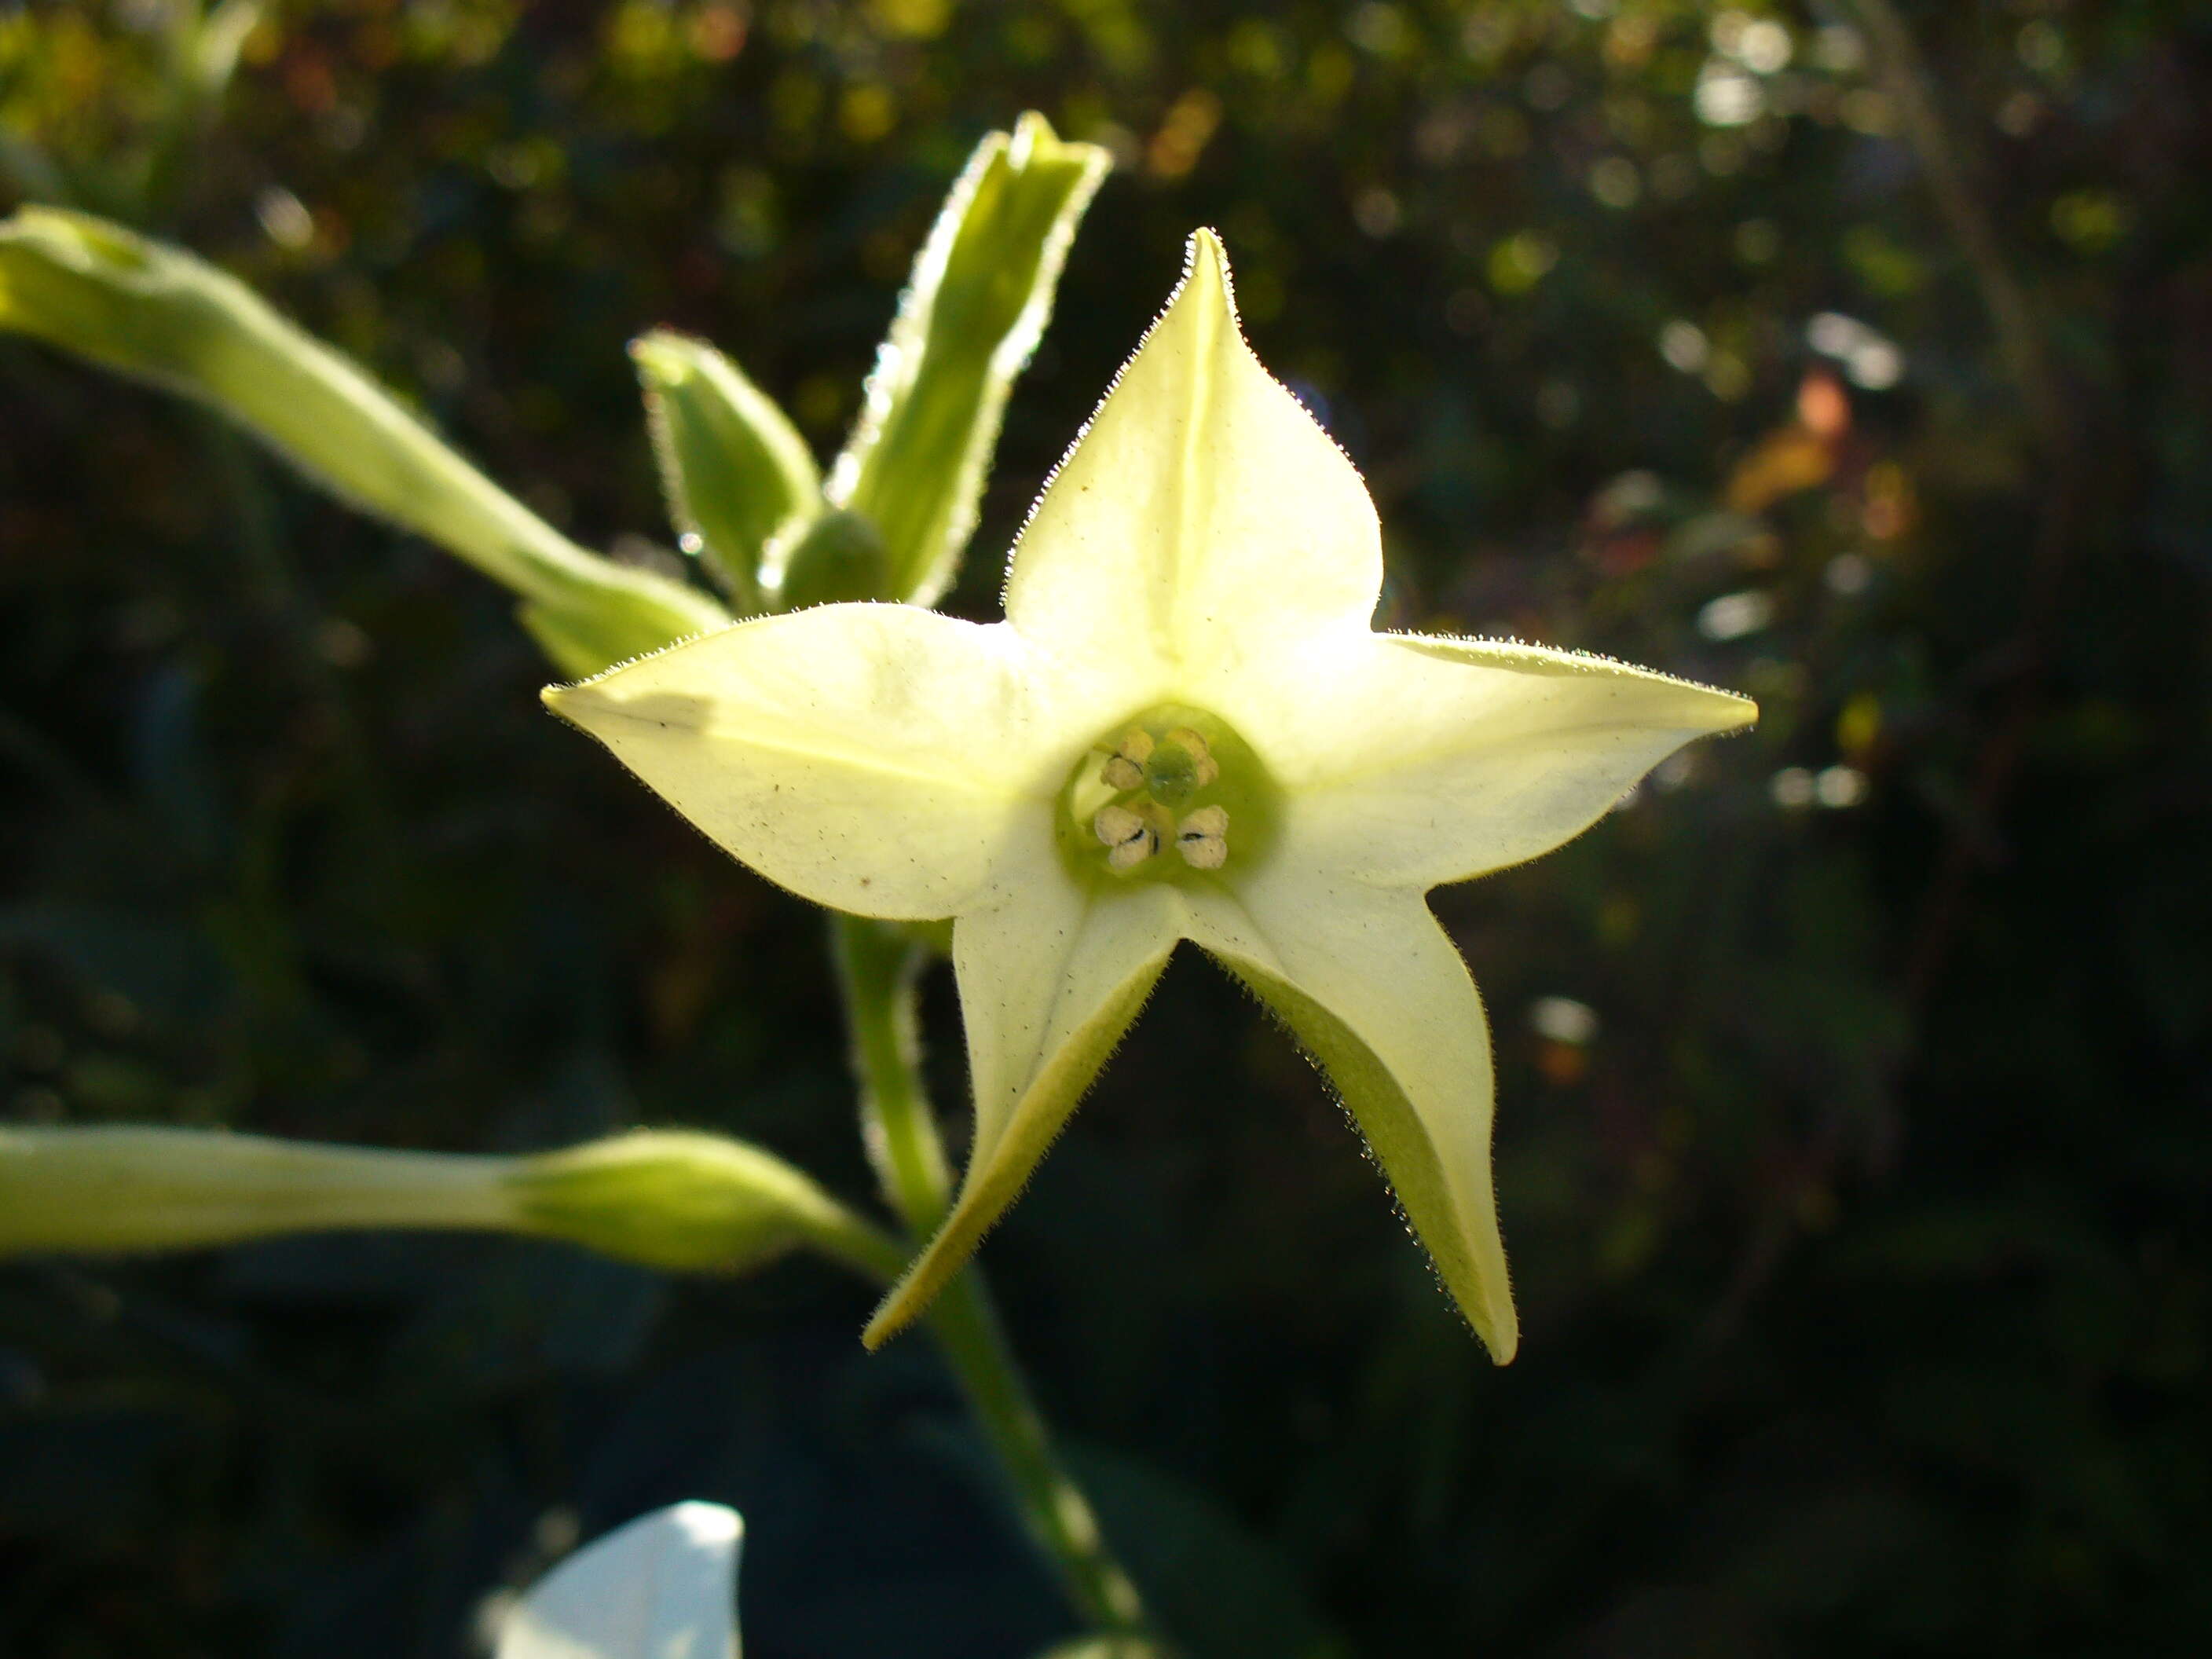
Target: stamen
{"points": [[1171, 776], [1203, 838], [1126, 770], [1131, 837]]}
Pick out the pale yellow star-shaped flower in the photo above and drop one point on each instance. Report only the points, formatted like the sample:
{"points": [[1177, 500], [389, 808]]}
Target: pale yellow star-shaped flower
{"points": [[1184, 729]]}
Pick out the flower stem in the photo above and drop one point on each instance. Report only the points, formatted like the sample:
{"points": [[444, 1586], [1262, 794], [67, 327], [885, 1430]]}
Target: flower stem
{"points": [[877, 966]]}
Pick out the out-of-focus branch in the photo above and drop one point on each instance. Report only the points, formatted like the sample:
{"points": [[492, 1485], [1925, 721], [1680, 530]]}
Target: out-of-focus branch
{"points": [[2023, 344], [1894, 57]]}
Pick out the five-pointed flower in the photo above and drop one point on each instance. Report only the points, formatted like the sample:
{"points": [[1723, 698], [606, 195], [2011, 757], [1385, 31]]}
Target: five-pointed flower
{"points": [[1184, 729]]}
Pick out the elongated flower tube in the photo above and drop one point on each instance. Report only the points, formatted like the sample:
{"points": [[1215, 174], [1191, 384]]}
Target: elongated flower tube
{"points": [[1184, 729], [670, 1199]]}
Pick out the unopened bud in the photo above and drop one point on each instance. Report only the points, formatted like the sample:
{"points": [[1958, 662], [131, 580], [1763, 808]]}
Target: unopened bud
{"points": [[673, 1198], [143, 308], [677, 1200], [739, 477], [839, 559]]}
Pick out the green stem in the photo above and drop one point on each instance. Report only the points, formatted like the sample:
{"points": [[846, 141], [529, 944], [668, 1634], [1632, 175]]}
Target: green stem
{"points": [[865, 1249], [877, 966]]}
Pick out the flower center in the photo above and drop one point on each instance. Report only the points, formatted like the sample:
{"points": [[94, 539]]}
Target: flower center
{"points": [[1172, 793]]}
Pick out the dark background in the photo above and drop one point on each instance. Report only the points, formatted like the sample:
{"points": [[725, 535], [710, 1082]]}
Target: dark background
{"points": [[1860, 1238]]}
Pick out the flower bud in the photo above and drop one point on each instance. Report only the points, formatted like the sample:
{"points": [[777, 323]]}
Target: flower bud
{"points": [[669, 1200], [839, 559], [971, 315], [739, 478], [673, 1198], [143, 308]]}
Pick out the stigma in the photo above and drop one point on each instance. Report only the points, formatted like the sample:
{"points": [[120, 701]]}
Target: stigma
{"points": [[1169, 794]]}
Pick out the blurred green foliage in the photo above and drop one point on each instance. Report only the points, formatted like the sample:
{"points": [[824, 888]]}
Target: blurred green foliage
{"points": [[1854, 1077]]}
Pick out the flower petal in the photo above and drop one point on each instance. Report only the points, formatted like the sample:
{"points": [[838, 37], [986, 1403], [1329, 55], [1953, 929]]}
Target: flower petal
{"points": [[1410, 761], [1374, 991], [870, 757], [1201, 508], [662, 1587], [1050, 978]]}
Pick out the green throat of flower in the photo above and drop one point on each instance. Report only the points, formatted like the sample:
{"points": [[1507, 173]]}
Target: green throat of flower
{"points": [[1170, 794]]}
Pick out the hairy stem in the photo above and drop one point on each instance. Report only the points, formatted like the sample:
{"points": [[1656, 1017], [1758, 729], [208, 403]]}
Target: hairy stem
{"points": [[878, 967]]}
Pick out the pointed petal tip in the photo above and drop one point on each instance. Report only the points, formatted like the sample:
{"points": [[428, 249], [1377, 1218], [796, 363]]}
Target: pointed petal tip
{"points": [[1206, 263], [1503, 1339], [1034, 138], [1742, 714], [562, 696], [929, 1273], [703, 1522], [660, 352], [1206, 285], [899, 1309]]}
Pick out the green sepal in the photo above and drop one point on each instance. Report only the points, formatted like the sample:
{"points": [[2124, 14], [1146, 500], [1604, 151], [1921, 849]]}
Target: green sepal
{"points": [[739, 478], [687, 1201], [145, 309], [973, 312]]}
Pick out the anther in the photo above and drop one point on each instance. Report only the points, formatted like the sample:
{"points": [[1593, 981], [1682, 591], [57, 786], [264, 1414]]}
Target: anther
{"points": [[1126, 770], [1129, 837], [1203, 838]]}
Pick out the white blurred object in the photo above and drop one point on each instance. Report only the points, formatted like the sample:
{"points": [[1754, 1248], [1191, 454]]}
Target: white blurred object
{"points": [[1764, 46], [1840, 786], [1562, 1020], [1726, 96], [662, 1587], [1791, 787], [1868, 358], [1684, 345], [1732, 616]]}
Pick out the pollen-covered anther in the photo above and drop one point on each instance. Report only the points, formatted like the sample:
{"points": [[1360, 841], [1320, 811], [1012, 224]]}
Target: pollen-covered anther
{"points": [[1130, 837], [1203, 838], [1126, 768]]}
